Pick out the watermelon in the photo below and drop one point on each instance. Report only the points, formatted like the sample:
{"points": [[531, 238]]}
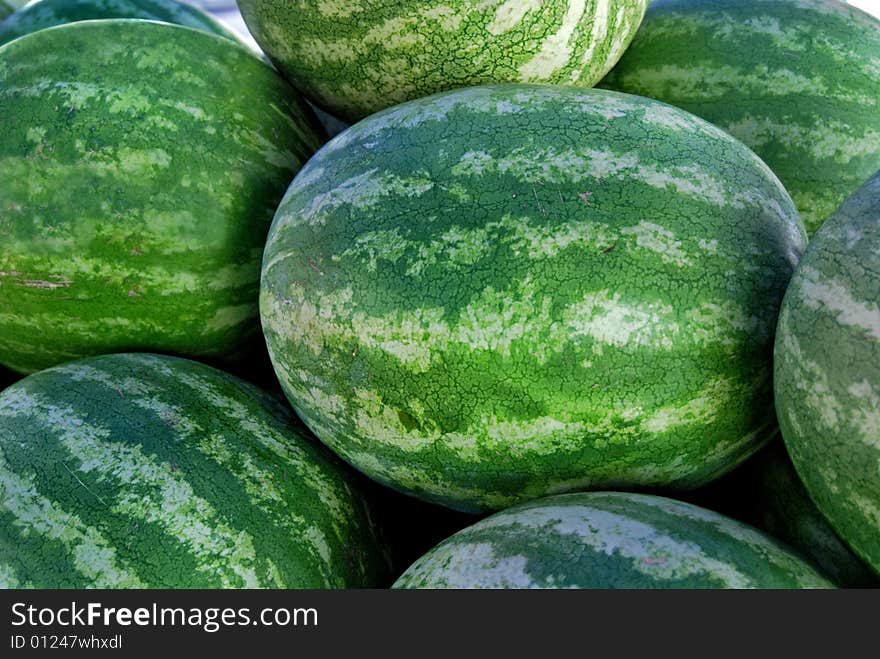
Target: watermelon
{"points": [[609, 540], [147, 471], [139, 173], [46, 13], [767, 493], [502, 292], [356, 58], [827, 371], [797, 80]]}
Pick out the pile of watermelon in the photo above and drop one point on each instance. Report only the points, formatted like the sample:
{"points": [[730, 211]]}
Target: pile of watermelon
{"points": [[587, 296]]}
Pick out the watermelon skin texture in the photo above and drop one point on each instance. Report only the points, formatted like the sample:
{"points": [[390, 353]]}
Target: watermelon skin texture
{"points": [[48, 13], [147, 471], [795, 80], [503, 292], [358, 57], [767, 493], [827, 371], [138, 179], [609, 540]]}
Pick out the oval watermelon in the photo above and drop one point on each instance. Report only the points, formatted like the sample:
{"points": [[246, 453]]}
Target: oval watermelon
{"points": [[609, 540], [767, 493], [137, 470], [139, 173], [827, 371], [355, 58], [504, 292], [797, 80], [41, 14]]}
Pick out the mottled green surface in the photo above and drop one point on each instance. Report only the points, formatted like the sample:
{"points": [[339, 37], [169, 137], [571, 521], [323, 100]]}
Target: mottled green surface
{"points": [[140, 165], [46, 13], [145, 471], [609, 540], [827, 377], [505, 292], [767, 493], [356, 57], [797, 80]]}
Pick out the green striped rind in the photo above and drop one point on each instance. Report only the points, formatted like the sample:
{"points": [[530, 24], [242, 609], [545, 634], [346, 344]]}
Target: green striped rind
{"points": [[610, 540], [138, 470], [767, 493], [356, 57], [797, 80], [47, 13], [140, 166], [504, 292], [827, 377]]}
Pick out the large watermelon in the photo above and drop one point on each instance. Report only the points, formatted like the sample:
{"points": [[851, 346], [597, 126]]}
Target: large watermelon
{"points": [[796, 80], [140, 166], [46, 13], [609, 540], [502, 292], [767, 493], [827, 377], [356, 57], [145, 471]]}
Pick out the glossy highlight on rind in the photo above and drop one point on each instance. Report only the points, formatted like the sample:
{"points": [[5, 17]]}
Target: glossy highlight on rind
{"points": [[145, 471], [827, 371], [798, 81], [354, 58], [48, 13], [609, 540], [504, 292], [140, 166]]}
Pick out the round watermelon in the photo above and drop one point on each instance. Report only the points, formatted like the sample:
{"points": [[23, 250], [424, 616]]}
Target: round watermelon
{"points": [[47, 13], [609, 540], [767, 493], [142, 471], [356, 58], [827, 371], [797, 80], [507, 291], [140, 166]]}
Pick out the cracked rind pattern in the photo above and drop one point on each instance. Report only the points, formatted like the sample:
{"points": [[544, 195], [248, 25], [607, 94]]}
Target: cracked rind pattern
{"points": [[510, 291], [48, 13], [140, 166], [827, 371], [798, 81], [609, 540], [143, 471], [354, 58]]}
